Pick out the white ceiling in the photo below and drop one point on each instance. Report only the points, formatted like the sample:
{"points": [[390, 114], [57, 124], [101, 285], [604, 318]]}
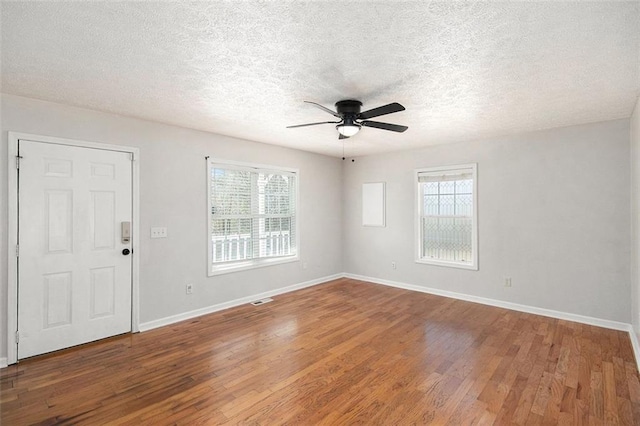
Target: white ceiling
{"points": [[464, 71]]}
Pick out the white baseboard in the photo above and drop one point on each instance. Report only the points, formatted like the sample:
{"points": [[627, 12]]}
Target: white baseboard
{"points": [[636, 344], [598, 322], [615, 325], [232, 303]]}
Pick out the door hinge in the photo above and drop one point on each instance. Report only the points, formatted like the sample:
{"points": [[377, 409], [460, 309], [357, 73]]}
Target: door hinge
{"points": [[132, 156], [17, 250], [17, 337], [18, 161]]}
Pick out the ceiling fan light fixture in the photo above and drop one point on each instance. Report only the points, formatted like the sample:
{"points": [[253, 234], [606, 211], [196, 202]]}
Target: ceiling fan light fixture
{"points": [[348, 129]]}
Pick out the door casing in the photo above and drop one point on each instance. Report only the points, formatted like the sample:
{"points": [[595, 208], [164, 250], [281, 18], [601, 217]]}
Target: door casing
{"points": [[12, 231]]}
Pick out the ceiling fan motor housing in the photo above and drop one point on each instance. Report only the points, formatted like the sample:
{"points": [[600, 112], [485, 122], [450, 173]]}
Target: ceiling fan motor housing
{"points": [[348, 107]]}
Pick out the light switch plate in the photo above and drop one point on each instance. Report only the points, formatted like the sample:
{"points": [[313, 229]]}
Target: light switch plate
{"points": [[159, 232]]}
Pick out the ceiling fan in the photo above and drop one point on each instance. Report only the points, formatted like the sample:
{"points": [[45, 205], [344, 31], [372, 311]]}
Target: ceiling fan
{"points": [[351, 119]]}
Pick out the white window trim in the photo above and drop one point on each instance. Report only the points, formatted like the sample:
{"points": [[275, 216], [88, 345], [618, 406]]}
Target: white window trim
{"points": [[418, 214], [226, 268]]}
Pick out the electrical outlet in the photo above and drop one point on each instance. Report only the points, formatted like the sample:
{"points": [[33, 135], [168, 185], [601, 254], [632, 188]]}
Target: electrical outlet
{"points": [[189, 288], [393, 265], [507, 282]]}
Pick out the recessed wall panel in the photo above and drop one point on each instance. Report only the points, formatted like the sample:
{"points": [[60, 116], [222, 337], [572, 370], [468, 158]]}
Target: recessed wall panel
{"points": [[103, 230], [57, 299], [102, 292], [59, 221]]}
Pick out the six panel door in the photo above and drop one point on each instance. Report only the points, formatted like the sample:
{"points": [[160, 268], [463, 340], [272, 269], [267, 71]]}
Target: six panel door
{"points": [[74, 282]]}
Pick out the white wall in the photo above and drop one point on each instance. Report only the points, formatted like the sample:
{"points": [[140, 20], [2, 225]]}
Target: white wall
{"points": [[635, 218], [173, 194], [553, 215]]}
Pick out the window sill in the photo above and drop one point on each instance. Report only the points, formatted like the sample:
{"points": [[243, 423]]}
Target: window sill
{"points": [[253, 264], [458, 265]]}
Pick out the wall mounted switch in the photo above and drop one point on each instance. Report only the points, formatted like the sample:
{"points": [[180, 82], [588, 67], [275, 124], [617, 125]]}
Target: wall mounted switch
{"points": [[159, 232]]}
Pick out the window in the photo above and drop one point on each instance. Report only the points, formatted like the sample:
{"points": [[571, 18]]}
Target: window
{"points": [[447, 216], [252, 216]]}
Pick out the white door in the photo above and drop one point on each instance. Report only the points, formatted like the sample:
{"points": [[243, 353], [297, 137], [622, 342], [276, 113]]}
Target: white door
{"points": [[74, 280]]}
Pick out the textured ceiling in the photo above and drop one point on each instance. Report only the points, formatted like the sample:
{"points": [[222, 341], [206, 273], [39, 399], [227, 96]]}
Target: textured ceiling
{"points": [[463, 71]]}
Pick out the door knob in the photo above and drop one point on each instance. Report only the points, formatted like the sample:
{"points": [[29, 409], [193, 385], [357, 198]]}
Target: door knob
{"points": [[126, 251]]}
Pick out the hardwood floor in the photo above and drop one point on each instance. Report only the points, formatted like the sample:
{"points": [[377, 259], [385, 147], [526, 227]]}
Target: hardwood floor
{"points": [[339, 353]]}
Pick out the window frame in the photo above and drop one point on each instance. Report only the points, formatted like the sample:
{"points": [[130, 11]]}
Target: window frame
{"points": [[473, 265], [241, 265]]}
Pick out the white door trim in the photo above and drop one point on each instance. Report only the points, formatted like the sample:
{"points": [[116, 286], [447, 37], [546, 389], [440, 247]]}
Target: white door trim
{"points": [[12, 264]]}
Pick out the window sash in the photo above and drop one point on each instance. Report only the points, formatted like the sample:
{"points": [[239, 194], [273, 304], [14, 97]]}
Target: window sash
{"points": [[258, 243]]}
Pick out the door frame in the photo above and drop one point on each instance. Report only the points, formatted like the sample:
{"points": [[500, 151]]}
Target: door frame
{"points": [[12, 261]]}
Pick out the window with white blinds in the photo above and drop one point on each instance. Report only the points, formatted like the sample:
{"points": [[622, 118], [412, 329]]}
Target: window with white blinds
{"points": [[252, 216], [447, 216]]}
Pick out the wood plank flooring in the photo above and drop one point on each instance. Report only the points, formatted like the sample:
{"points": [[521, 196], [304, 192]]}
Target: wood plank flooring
{"points": [[343, 352]]}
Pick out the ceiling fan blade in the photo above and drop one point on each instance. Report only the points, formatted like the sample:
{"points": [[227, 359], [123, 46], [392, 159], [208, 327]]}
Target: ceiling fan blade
{"points": [[343, 136], [313, 124], [335, 114], [384, 126], [386, 109]]}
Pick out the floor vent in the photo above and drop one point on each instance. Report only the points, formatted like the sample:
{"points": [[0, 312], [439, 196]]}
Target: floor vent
{"points": [[262, 301]]}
